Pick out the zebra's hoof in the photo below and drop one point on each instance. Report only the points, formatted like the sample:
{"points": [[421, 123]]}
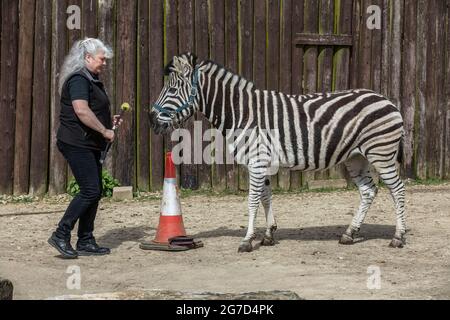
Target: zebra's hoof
{"points": [[397, 243], [245, 246], [268, 242], [346, 239]]}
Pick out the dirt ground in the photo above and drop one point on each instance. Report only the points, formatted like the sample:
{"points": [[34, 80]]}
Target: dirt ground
{"points": [[307, 258]]}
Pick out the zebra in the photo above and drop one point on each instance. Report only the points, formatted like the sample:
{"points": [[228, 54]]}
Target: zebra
{"points": [[316, 131]]}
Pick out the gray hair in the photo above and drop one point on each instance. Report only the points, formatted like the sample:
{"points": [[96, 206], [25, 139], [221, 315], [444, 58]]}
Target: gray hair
{"points": [[75, 60]]}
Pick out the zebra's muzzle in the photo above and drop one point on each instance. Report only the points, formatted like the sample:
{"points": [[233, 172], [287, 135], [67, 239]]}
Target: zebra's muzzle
{"points": [[159, 126]]}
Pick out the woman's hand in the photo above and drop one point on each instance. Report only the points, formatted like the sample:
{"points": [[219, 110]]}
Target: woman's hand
{"points": [[117, 121], [109, 135]]}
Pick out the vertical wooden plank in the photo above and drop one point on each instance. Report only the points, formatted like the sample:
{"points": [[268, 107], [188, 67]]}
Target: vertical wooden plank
{"points": [[297, 65], [58, 165], [202, 50], [356, 32], [124, 163], [75, 34], [232, 62], [421, 114], [156, 40], [325, 64], [385, 48], [281, 180], [432, 91], [217, 47], [24, 97], [325, 58], [311, 25], [8, 78], [365, 49], [106, 31], [186, 9], [143, 99], [376, 52], [171, 50], [259, 53], [396, 51], [246, 45], [442, 102], [89, 18], [408, 87], [41, 99], [285, 70], [341, 66], [447, 94]]}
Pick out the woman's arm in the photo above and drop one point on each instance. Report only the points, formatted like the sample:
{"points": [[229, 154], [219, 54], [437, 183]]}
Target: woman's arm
{"points": [[88, 118]]}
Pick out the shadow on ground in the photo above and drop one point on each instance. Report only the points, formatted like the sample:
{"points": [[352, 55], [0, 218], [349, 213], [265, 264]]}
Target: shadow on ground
{"points": [[115, 237], [324, 233]]}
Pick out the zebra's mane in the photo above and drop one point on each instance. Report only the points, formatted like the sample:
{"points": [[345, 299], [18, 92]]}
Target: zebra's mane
{"points": [[205, 62]]}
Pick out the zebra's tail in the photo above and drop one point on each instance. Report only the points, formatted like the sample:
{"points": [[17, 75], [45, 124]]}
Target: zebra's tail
{"points": [[400, 151]]}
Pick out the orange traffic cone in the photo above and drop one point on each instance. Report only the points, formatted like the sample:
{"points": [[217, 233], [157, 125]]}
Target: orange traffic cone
{"points": [[170, 235], [170, 221]]}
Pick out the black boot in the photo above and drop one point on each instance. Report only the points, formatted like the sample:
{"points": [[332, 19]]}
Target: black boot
{"points": [[63, 246], [91, 248]]}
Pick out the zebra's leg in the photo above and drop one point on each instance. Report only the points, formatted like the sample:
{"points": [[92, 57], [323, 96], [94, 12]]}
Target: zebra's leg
{"points": [[257, 178], [266, 200], [389, 174], [358, 168]]}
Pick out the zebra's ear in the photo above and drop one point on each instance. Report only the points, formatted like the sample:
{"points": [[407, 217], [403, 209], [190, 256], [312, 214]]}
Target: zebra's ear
{"points": [[168, 68]]}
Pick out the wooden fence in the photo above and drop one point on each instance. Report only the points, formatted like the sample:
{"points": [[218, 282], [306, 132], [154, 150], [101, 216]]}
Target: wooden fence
{"points": [[296, 46]]}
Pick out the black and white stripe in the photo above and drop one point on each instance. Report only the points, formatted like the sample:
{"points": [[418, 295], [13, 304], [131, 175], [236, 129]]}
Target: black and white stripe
{"points": [[315, 132]]}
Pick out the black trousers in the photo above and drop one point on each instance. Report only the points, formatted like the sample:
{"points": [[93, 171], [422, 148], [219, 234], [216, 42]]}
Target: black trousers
{"points": [[87, 170]]}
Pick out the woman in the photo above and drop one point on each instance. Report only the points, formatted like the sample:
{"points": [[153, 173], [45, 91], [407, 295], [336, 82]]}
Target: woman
{"points": [[85, 128]]}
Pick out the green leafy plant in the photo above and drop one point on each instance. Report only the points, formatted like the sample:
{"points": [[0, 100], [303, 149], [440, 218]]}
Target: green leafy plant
{"points": [[108, 185]]}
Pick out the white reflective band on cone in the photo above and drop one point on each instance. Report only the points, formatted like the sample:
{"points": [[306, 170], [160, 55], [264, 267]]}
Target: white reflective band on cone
{"points": [[170, 205]]}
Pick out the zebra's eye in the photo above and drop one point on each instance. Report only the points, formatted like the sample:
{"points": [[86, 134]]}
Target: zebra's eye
{"points": [[172, 91]]}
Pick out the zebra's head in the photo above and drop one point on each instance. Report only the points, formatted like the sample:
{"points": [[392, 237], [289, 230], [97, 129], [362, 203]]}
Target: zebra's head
{"points": [[178, 98]]}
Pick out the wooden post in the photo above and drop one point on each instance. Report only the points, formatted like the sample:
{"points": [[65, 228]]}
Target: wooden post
{"points": [[58, 165], [186, 9], [325, 58], [156, 81], [273, 71], [217, 46], [246, 40], [143, 98], [24, 97], [232, 62], [124, 163], [89, 18], [432, 91], [297, 12], [202, 50], [377, 50], [41, 99], [285, 69], [408, 92], [341, 68], [385, 48], [396, 52], [8, 78], [447, 95], [106, 31], [311, 25]]}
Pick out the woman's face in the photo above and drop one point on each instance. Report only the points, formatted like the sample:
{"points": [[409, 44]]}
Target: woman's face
{"points": [[95, 63]]}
